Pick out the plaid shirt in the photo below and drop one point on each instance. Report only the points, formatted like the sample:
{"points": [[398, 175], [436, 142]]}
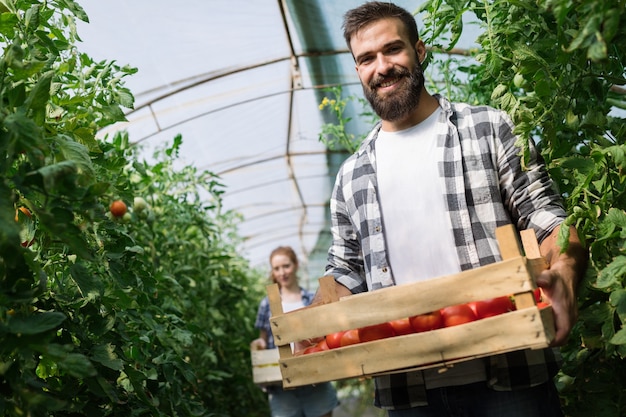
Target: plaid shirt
{"points": [[264, 314], [485, 187]]}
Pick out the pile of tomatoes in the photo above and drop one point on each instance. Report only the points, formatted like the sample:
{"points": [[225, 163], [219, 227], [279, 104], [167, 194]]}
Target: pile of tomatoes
{"points": [[445, 317]]}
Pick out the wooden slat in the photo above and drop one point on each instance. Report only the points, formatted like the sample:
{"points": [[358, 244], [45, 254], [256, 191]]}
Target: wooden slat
{"points": [[501, 278], [276, 307], [508, 242], [528, 327], [499, 334], [265, 367], [530, 244]]}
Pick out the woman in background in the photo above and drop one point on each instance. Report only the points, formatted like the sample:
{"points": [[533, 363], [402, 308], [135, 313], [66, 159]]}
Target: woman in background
{"points": [[317, 400]]}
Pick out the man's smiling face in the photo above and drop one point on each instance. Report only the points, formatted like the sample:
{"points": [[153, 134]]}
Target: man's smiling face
{"points": [[387, 64]]}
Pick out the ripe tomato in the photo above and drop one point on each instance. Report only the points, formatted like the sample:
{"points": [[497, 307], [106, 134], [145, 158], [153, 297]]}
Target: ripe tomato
{"points": [[492, 307], [457, 314], [315, 348], [537, 294], [543, 304], [427, 321], [333, 340], [376, 332], [401, 326], [27, 244], [118, 208], [350, 337], [24, 211]]}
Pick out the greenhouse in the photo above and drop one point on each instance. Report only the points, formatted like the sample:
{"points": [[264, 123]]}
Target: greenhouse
{"points": [[154, 155], [242, 83]]}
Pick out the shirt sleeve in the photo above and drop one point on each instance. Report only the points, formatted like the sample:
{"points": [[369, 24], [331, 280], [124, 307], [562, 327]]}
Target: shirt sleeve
{"points": [[345, 260], [528, 192], [263, 315]]}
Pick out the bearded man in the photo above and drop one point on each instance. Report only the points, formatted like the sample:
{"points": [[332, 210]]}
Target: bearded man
{"points": [[422, 198]]}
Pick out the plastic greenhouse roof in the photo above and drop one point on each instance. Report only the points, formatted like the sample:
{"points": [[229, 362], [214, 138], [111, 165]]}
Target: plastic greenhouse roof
{"points": [[241, 81]]}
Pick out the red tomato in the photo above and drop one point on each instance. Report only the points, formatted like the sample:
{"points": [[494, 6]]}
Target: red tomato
{"points": [[492, 307], [542, 304], [401, 326], [350, 337], [118, 208], [322, 344], [318, 347], [27, 243], [537, 294], [376, 332], [24, 211], [333, 340], [457, 314], [427, 321]]}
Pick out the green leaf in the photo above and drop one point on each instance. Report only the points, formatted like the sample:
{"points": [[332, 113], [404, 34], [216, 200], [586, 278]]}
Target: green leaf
{"points": [[77, 365], [105, 354], [584, 165], [55, 173], [613, 273], [619, 338], [87, 282], [498, 91], [37, 323], [617, 217], [75, 8], [77, 153], [40, 94]]}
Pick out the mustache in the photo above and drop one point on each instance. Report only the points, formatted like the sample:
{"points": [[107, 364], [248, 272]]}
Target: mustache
{"points": [[394, 72]]}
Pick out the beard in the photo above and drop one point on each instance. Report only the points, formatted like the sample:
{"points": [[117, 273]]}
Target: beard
{"points": [[400, 103]]}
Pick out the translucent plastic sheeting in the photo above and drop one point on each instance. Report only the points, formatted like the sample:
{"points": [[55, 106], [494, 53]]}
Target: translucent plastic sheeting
{"points": [[241, 81]]}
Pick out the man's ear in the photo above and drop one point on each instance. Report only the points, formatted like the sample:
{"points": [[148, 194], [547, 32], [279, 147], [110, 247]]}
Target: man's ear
{"points": [[420, 50]]}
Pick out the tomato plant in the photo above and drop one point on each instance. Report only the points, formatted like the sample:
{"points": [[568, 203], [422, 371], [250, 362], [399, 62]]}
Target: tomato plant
{"points": [[376, 332], [457, 314], [333, 340], [427, 321], [401, 326], [492, 307]]}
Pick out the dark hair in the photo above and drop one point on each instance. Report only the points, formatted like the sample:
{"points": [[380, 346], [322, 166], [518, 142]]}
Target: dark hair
{"points": [[370, 12], [283, 250]]}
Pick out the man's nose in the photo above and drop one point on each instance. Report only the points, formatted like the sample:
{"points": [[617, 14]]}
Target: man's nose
{"points": [[383, 64]]}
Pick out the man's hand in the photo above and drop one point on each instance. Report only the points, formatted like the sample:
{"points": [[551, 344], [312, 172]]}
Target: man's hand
{"points": [[341, 291], [560, 281]]}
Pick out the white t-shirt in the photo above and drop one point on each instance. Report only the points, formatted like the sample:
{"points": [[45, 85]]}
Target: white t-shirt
{"points": [[287, 307], [418, 230], [291, 306]]}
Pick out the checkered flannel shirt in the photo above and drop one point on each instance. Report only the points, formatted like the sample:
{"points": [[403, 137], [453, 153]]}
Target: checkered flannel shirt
{"points": [[485, 187]]}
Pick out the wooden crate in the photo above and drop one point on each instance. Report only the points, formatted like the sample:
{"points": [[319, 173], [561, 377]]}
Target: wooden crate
{"points": [[526, 327], [265, 367]]}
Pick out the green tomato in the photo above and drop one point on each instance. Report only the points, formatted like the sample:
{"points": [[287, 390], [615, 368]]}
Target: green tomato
{"points": [[518, 80], [139, 204]]}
